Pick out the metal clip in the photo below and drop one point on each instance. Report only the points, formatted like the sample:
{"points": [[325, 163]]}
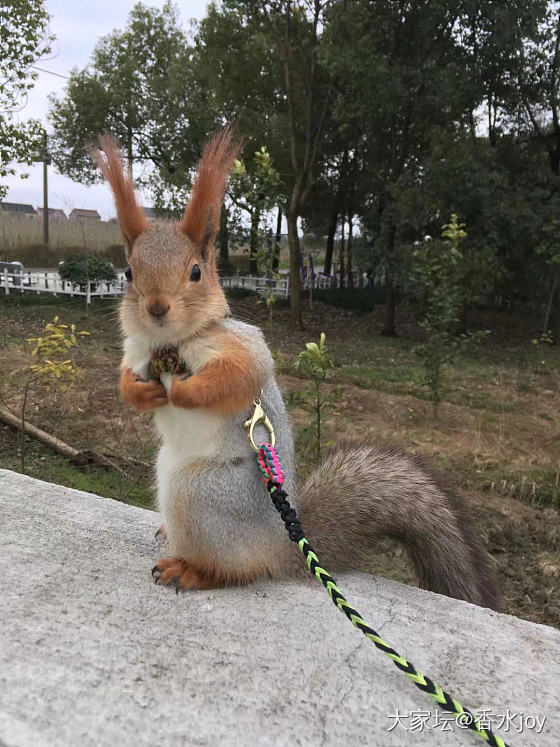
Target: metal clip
{"points": [[258, 417]]}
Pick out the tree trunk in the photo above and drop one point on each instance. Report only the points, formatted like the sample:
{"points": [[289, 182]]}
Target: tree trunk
{"points": [[224, 265], [548, 311], [389, 326], [295, 278], [277, 242], [330, 243], [341, 255], [349, 276], [254, 241]]}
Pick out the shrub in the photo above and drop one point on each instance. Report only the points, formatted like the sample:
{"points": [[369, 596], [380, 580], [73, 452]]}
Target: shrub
{"points": [[80, 268], [360, 300], [314, 364]]}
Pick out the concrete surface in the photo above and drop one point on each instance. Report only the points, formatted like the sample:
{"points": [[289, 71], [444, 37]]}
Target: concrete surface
{"points": [[93, 653]]}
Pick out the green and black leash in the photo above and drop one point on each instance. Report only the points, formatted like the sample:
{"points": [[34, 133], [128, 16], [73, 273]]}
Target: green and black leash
{"points": [[270, 466]]}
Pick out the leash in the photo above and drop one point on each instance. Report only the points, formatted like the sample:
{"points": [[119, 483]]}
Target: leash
{"points": [[168, 359], [270, 466]]}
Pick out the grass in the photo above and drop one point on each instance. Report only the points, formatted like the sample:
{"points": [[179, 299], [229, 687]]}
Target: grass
{"points": [[497, 437], [44, 465]]}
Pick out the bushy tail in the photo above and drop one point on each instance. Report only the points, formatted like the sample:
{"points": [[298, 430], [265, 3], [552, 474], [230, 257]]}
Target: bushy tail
{"points": [[362, 493]]}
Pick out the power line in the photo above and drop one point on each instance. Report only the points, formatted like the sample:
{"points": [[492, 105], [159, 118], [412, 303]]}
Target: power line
{"points": [[50, 72]]}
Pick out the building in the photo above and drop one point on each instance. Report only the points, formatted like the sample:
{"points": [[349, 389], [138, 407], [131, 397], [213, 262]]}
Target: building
{"points": [[81, 214], [53, 213], [153, 213], [17, 207]]}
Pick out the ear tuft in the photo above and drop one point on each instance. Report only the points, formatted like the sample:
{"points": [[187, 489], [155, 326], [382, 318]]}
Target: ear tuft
{"points": [[202, 214], [110, 161]]}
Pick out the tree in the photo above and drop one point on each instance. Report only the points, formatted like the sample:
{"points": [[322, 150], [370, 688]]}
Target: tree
{"points": [[291, 110], [397, 87], [140, 86], [255, 188], [24, 39]]}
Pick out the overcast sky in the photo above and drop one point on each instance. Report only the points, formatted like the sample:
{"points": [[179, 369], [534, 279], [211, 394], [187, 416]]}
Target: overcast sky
{"points": [[77, 26]]}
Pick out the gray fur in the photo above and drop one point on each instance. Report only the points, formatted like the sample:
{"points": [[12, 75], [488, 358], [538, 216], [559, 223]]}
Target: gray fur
{"points": [[361, 493]]}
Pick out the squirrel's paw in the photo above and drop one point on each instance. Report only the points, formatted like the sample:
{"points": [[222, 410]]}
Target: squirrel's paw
{"points": [[143, 395], [184, 393], [180, 574]]}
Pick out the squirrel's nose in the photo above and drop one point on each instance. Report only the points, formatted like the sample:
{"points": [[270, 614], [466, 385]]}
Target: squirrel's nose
{"points": [[158, 308]]}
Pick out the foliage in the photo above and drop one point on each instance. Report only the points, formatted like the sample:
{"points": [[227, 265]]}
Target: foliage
{"points": [[267, 260], [255, 187], [393, 114], [360, 300], [314, 364], [53, 366], [139, 85], [24, 39], [81, 268], [439, 272]]}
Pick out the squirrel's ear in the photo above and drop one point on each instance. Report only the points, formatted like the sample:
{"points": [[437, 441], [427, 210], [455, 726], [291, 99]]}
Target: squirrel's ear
{"points": [[109, 159], [202, 214]]}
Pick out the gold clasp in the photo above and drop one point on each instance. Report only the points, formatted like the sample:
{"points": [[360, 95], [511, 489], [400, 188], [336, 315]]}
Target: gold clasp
{"points": [[258, 417]]}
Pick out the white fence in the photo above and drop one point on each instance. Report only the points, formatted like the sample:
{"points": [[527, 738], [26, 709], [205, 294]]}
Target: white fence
{"points": [[18, 280]]}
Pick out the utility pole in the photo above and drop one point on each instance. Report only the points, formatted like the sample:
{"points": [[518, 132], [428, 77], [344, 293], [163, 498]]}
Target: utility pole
{"points": [[46, 161]]}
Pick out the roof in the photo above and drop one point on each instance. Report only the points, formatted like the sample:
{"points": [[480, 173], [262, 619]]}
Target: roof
{"points": [[17, 207], [82, 213], [53, 212]]}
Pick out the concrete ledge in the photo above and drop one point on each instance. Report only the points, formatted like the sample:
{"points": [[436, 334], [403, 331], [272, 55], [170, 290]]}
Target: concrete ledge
{"points": [[93, 653]]}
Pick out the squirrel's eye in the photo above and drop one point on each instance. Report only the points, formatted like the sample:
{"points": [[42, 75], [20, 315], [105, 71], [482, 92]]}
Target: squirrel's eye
{"points": [[128, 274], [195, 273]]}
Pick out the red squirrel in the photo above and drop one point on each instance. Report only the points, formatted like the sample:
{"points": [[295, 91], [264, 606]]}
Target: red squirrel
{"points": [[221, 527]]}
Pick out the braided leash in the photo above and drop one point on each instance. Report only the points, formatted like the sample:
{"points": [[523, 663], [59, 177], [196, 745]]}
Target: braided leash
{"points": [[269, 464]]}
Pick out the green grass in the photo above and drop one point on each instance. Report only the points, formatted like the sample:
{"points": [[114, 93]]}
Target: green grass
{"points": [[44, 465]]}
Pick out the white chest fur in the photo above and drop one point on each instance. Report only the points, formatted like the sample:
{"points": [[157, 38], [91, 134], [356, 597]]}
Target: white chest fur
{"points": [[187, 435]]}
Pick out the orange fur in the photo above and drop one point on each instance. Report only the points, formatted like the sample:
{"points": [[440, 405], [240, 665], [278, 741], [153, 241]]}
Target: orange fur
{"points": [[186, 575], [227, 384], [202, 213], [143, 395], [131, 216]]}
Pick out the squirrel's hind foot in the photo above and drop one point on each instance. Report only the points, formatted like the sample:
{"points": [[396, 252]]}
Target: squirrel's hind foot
{"points": [[180, 574]]}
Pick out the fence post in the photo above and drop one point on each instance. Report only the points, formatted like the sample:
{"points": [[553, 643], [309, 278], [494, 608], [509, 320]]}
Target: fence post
{"points": [[6, 289], [88, 293]]}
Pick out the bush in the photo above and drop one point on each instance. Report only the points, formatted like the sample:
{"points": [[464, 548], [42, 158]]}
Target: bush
{"points": [[360, 300], [80, 268], [240, 293]]}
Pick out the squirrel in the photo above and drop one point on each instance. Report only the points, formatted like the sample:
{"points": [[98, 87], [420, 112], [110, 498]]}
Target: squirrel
{"points": [[221, 528]]}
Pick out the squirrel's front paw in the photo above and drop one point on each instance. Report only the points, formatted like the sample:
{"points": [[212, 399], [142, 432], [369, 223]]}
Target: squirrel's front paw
{"points": [[180, 574], [143, 395], [184, 393]]}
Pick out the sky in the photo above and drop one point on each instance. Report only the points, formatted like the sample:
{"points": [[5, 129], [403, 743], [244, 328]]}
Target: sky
{"points": [[77, 27]]}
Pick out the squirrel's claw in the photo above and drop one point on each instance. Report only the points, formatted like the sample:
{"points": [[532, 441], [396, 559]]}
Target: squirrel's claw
{"points": [[180, 574]]}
